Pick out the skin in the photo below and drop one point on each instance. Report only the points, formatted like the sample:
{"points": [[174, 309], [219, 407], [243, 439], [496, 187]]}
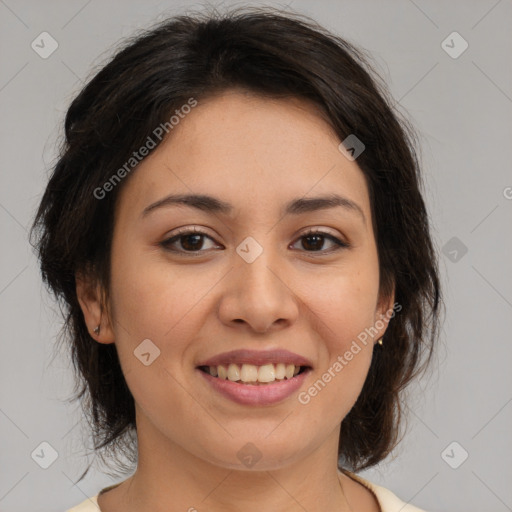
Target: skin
{"points": [[257, 154]]}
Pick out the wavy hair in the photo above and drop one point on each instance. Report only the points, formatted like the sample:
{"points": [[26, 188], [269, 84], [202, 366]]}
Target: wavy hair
{"points": [[275, 54]]}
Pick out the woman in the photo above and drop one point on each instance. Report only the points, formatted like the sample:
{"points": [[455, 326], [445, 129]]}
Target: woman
{"points": [[236, 228]]}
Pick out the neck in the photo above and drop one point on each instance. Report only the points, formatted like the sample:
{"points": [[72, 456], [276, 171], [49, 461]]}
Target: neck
{"points": [[170, 478]]}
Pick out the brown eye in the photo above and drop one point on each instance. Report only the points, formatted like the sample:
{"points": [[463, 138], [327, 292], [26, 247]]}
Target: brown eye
{"points": [[193, 241], [313, 241], [189, 240]]}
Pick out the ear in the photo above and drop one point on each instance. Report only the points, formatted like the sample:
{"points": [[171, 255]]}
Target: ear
{"points": [[385, 311], [91, 297]]}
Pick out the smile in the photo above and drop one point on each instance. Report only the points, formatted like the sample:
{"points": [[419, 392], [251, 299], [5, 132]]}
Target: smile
{"points": [[254, 392], [252, 374], [255, 377]]}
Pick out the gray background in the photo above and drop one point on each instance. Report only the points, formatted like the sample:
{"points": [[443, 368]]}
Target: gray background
{"points": [[462, 109]]}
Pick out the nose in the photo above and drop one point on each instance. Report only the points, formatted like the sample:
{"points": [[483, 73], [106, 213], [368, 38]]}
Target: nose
{"points": [[258, 296]]}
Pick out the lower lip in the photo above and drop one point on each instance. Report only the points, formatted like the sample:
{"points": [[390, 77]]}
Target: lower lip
{"points": [[264, 394]]}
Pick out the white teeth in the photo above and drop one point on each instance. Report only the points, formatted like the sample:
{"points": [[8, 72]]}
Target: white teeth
{"points": [[233, 372], [250, 373], [290, 369], [222, 372], [280, 371], [267, 373]]}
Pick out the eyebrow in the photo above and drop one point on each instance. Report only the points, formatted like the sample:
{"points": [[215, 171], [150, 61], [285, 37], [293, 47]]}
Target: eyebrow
{"points": [[297, 206]]}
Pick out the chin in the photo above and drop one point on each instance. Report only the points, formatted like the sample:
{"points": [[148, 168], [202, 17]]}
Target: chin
{"points": [[257, 455]]}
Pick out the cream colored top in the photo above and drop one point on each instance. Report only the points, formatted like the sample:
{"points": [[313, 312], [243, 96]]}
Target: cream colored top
{"points": [[388, 501]]}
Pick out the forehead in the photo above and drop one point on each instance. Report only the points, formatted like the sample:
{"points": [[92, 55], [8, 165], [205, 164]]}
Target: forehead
{"points": [[252, 151]]}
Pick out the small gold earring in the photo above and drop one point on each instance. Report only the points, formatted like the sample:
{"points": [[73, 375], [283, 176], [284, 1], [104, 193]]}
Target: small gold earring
{"points": [[380, 342], [97, 330]]}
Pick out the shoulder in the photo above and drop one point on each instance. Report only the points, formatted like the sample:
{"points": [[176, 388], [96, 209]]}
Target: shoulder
{"points": [[89, 505], [388, 501]]}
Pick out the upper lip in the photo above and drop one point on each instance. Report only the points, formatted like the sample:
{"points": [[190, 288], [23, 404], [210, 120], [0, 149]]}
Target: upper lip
{"points": [[257, 358]]}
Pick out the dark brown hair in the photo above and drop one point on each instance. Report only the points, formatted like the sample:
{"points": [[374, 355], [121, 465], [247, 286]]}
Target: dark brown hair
{"points": [[268, 52]]}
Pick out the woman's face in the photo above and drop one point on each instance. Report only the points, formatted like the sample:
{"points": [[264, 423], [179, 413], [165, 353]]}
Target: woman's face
{"points": [[250, 281]]}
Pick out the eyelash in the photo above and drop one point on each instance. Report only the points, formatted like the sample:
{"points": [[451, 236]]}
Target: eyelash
{"points": [[166, 244]]}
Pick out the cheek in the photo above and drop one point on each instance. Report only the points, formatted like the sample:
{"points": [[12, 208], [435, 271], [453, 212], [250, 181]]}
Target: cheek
{"points": [[344, 311], [344, 301], [152, 298], [163, 305], [152, 305]]}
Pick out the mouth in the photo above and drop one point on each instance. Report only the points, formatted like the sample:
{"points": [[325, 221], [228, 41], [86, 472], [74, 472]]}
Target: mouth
{"points": [[254, 375]]}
